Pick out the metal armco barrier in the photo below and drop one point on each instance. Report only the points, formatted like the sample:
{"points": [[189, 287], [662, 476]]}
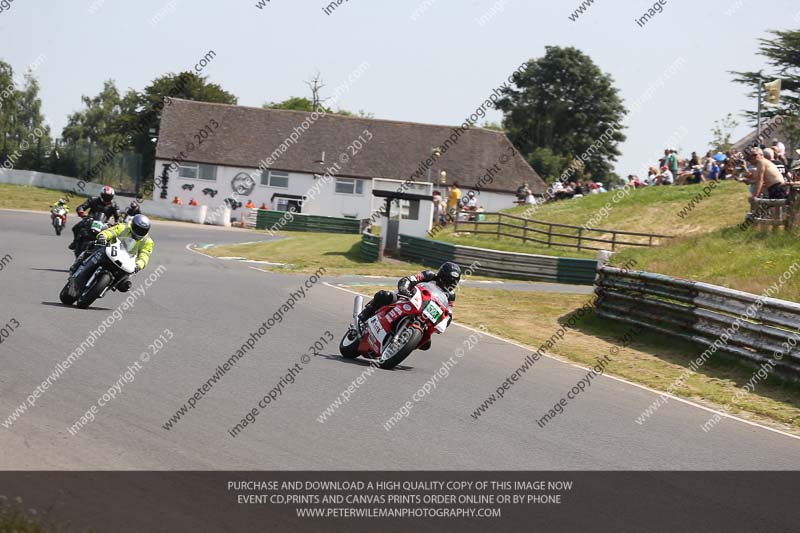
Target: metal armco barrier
{"points": [[370, 247], [702, 313], [499, 264], [281, 221]]}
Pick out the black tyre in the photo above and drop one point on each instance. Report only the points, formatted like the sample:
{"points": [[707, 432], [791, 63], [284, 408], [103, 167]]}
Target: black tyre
{"points": [[58, 230], [91, 293], [413, 336], [65, 297], [349, 347]]}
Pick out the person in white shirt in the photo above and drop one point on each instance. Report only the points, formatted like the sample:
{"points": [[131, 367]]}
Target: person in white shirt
{"points": [[780, 151], [779, 147], [472, 202], [666, 176]]}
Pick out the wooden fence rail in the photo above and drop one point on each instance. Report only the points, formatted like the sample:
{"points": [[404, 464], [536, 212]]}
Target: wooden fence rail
{"points": [[555, 234]]}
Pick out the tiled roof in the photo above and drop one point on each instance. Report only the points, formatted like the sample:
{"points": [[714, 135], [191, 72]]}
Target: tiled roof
{"points": [[247, 135]]}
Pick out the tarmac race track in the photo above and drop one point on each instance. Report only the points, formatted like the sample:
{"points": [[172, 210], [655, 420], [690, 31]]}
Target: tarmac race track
{"points": [[211, 307]]}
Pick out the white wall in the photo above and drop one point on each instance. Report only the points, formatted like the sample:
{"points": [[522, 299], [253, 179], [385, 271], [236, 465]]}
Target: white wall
{"points": [[187, 213], [416, 228], [321, 193], [494, 201], [49, 181]]}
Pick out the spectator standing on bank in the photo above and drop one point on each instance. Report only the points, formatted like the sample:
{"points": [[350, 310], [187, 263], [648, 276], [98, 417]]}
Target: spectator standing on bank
{"points": [[780, 151], [437, 207], [672, 162]]}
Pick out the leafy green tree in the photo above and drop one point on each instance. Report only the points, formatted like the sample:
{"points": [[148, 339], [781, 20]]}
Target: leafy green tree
{"points": [[548, 164], [99, 120], [782, 54], [142, 110], [301, 103], [23, 132], [564, 102], [295, 103]]}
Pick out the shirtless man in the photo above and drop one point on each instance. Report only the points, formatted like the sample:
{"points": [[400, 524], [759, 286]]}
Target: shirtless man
{"points": [[766, 176]]}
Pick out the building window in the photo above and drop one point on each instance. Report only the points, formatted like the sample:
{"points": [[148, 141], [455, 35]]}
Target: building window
{"points": [[208, 172], [409, 209], [348, 186], [187, 170], [195, 171], [272, 178]]}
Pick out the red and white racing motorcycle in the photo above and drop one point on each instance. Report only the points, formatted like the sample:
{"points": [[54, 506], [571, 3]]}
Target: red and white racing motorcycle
{"points": [[397, 329]]}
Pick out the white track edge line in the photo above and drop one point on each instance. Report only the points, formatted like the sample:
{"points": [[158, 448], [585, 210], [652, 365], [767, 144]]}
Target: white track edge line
{"points": [[615, 378]]}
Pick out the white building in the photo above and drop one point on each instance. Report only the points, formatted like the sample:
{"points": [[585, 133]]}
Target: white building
{"points": [[329, 164]]}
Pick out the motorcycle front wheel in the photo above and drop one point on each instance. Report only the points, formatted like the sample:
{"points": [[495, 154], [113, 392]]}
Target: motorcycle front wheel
{"points": [[410, 338], [349, 347], [93, 292], [65, 297]]}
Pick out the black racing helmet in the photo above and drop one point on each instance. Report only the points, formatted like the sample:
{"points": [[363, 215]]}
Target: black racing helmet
{"points": [[140, 227], [448, 276]]}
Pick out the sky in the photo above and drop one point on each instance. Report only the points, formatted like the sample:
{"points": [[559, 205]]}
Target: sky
{"points": [[430, 61]]}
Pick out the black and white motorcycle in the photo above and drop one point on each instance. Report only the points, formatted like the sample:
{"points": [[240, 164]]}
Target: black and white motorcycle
{"points": [[100, 270]]}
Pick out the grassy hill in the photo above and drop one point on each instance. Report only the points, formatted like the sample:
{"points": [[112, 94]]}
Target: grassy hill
{"points": [[652, 210], [708, 244]]}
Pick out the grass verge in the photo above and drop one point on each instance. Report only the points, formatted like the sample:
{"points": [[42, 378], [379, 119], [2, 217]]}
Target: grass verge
{"points": [[651, 359], [748, 260], [33, 198], [302, 252]]}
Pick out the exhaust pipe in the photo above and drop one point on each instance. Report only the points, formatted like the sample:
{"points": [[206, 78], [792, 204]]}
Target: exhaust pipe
{"points": [[357, 305]]}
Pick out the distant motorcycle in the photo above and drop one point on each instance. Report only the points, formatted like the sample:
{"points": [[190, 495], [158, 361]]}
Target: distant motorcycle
{"points": [[58, 218], [101, 269], [397, 329]]}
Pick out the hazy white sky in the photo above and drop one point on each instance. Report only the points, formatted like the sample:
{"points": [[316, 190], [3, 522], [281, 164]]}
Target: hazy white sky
{"points": [[435, 67]]}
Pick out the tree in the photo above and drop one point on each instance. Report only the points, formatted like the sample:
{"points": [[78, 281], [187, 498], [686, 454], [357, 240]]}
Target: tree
{"points": [[548, 164], [295, 103], [315, 85], [722, 132], [142, 110], [301, 103], [99, 120], [565, 103], [23, 132], [782, 53], [315, 103]]}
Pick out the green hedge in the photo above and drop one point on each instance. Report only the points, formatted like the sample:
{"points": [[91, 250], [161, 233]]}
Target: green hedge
{"points": [[495, 263], [370, 247], [283, 221]]}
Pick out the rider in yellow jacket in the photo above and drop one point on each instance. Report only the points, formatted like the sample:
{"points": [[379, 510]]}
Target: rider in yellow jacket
{"points": [[134, 237]]}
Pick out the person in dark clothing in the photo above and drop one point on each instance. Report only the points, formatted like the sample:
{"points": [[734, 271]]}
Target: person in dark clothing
{"points": [[447, 278], [103, 206], [133, 209]]}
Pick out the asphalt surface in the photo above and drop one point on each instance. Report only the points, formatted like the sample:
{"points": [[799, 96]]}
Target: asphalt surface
{"points": [[212, 306]]}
